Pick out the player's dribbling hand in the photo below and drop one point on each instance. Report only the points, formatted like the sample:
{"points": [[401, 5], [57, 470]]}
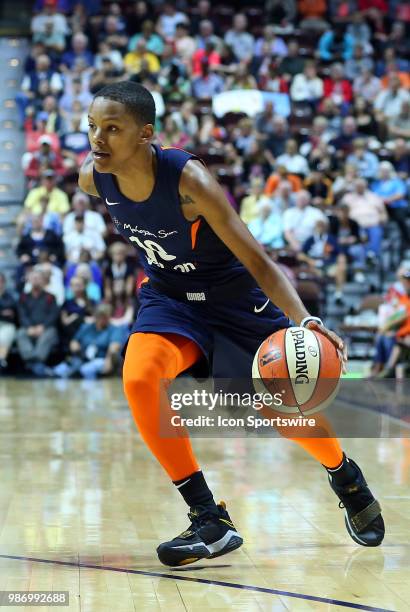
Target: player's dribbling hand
{"points": [[334, 339]]}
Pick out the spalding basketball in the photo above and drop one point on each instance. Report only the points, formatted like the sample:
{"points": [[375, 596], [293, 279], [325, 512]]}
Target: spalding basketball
{"points": [[300, 364]]}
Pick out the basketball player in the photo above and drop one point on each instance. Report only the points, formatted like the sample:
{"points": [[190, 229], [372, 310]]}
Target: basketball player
{"points": [[212, 291]]}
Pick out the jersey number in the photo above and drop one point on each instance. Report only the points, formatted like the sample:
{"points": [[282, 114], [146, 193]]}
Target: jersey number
{"points": [[154, 251]]}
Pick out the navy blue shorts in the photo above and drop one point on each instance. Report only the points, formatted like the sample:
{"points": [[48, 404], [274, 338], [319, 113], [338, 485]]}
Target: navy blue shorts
{"points": [[228, 331]]}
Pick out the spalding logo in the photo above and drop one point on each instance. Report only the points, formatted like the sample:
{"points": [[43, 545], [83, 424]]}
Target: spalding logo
{"points": [[312, 351], [302, 374], [270, 356]]}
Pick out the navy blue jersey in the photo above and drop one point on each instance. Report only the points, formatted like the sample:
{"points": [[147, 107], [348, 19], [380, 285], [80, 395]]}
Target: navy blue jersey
{"points": [[172, 250], [197, 288]]}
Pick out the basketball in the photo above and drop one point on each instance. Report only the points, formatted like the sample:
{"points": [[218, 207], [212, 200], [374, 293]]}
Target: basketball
{"points": [[300, 364]]}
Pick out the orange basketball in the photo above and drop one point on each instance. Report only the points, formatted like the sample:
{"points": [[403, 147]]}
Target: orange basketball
{"points": [[300, 364]]}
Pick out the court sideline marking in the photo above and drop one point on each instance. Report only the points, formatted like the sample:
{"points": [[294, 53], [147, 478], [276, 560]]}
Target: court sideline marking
{"points": [[232, 585]]}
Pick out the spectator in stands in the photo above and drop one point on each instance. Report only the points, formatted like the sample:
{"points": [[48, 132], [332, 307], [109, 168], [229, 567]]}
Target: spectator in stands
{"points": [[93, 221], [360, 32], [43, 160], [140, 59], [355, 66], [113, 33], [267, 226], [388, 103], [393, 192], [43, 73], [38, 316], [154, 42], [74, 92], [320, 188], [79, 50], [109, 73], [38, 239], [185, 44], [52, 275], [94, 349], [87, 271], [336, 45], [292, 160], [185, 118], [367, 85], [206, 36], [366, 162], [119, 277], [208, 84], [345, 182], [277, 178], [307, 86], [284, 197], [8, 320], [349, 240], [168, 20], [50, 27], [299, 222], [253, 201], [173, 136], [321, 253], [75, 311], [400, 323], [74, 144], [364, 115], [240, 41], [81, 238], [368, 210], [292, 63], [401, 157], [338, 88], [57, 200], [343, 143], [399, 126], [269, 44]]}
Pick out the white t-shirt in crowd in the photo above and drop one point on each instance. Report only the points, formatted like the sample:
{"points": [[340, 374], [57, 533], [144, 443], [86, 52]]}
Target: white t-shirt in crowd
{"points": [[93, 221], [302, 221]]}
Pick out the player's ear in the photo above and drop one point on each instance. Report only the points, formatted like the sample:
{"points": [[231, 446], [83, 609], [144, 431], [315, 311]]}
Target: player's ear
{"points": [[147, 133]]}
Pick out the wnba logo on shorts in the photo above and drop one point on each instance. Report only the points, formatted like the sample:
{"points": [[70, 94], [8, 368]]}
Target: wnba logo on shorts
{"points": [[196, 297]]}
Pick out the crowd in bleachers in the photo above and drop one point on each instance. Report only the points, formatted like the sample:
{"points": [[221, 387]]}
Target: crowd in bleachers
{"points": [[313, 151]]}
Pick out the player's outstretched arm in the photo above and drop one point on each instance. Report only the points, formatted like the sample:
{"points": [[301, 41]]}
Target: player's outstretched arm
{"points": [[86, 178], [206, 198]]}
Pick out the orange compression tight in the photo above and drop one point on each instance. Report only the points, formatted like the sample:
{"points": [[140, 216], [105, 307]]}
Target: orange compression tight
{"points": [[151, 358]]}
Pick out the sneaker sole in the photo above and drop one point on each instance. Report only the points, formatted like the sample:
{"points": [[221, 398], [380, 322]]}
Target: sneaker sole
{"points": [[184, 555]]}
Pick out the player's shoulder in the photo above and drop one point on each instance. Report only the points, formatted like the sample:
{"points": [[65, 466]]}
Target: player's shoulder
{"points": [[86, 176]]}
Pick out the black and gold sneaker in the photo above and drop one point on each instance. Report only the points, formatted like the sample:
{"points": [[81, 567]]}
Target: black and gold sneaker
{"points": [[363, 518], [209, 535]]}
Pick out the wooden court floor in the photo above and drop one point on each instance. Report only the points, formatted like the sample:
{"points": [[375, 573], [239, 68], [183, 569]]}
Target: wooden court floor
{"points": [[83, 507]]}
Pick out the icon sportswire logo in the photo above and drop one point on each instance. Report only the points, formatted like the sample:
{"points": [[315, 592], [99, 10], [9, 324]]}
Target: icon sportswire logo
{"points": [[256, 309], [111, 203]]}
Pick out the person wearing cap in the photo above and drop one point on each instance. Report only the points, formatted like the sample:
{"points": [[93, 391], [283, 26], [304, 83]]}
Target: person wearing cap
{"points": [[57, 199], [44, 160]]}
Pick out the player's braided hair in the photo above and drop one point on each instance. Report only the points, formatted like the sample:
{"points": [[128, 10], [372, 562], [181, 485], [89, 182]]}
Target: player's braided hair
{"points": [[137, 99]]}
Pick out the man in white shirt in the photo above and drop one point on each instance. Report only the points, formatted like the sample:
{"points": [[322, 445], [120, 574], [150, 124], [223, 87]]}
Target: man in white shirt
{"points": [[388, 102], [93, 221], [299, 221], [80, 238], [168, 20], [369, 211], [239, 39], [292, 160]]}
